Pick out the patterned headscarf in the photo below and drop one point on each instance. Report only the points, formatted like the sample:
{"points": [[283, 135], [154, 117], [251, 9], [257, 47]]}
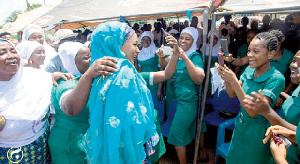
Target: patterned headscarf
{"points": [[121, 107], [108, 38]]}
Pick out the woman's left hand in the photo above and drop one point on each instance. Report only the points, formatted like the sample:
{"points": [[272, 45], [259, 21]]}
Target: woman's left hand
{"points": [[59, 75], [226, 74]]}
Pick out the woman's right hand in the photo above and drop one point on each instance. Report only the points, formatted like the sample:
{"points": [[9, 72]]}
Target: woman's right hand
{"points": [[104, 66], [279, 130], [226, 74]]}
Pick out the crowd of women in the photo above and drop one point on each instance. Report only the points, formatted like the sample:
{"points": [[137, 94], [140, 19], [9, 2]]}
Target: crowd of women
{"points": [[72, 102]]}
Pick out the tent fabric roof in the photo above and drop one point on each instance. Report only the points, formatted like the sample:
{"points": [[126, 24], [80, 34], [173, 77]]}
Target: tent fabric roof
{"points": [[261, 6], [92, 10]]}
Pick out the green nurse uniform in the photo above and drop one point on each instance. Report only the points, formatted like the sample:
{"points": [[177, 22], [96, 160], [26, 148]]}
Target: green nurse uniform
{"points": [[242, 52], [183, 127], [282, 64], [67, 131], [291, 112], [150, 65], [298, 135], [246, 145]]}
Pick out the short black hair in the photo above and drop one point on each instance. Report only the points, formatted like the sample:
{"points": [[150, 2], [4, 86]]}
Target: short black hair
{"points": [[4, 33], [270, 39]]}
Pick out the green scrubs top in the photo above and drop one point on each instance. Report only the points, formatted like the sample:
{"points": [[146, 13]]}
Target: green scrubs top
{"points": [[150, 65], [291, 111], [246, 144], [67, 131], [242, 52], [183, 127], [282, 64], [298, 135]]}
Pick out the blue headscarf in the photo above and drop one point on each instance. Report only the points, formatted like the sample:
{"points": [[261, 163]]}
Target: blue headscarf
{"points": [[121, 107]]}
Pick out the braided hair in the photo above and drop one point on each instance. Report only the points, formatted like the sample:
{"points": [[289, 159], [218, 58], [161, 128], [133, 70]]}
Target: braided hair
{"points": [[278, 34], [270, 39]]}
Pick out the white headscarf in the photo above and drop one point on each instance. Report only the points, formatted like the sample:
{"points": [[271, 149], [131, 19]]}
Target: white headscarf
{"points": [[25, 50], [67, 53], [216, 48], [194, 33], [24, 101], [149, 52], [49, 51]]}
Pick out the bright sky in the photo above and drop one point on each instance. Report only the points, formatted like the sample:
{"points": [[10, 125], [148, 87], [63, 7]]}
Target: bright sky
{"points": [[8, 6]]}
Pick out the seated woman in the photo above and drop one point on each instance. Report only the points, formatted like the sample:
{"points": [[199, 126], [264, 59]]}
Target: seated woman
{"points": [[66, 98], [246, 144], [24, 109], [32, 54]]}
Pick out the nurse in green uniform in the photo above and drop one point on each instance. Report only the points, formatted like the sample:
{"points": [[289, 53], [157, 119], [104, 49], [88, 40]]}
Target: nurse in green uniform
{"points": [[148, 61], [283, 57], [242, 60], [291, 111], [67, 131], [246, 144], [72, 110], [189, 74]]}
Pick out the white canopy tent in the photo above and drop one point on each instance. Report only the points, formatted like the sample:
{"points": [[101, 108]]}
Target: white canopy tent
{"points": [[75, 13], [258, 6]]}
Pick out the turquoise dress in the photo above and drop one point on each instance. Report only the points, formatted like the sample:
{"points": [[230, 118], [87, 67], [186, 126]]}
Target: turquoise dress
{"points": [[246, 145], [291, 111], [183, 127], [121, 108], [282, 64], [150, 65], [67, 131]]}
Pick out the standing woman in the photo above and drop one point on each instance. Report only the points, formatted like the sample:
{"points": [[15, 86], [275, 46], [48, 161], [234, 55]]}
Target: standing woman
{"points": [[34, 32], [291, 109], [246, 144], [32, 54], [24, 99], [188, 76], [66, 130], [148, 61], [121, 108]]}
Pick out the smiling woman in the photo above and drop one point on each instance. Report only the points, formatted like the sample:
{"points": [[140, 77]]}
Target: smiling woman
{"points": [[121, 110], [24, 100], [32, 53]]}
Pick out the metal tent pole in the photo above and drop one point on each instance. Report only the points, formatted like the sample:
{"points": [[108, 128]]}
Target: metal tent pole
{"points": [[201, 112]]}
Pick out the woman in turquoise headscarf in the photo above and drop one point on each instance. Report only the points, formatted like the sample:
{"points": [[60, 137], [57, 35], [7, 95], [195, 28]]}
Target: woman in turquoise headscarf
{"points": [[121, 109]]}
